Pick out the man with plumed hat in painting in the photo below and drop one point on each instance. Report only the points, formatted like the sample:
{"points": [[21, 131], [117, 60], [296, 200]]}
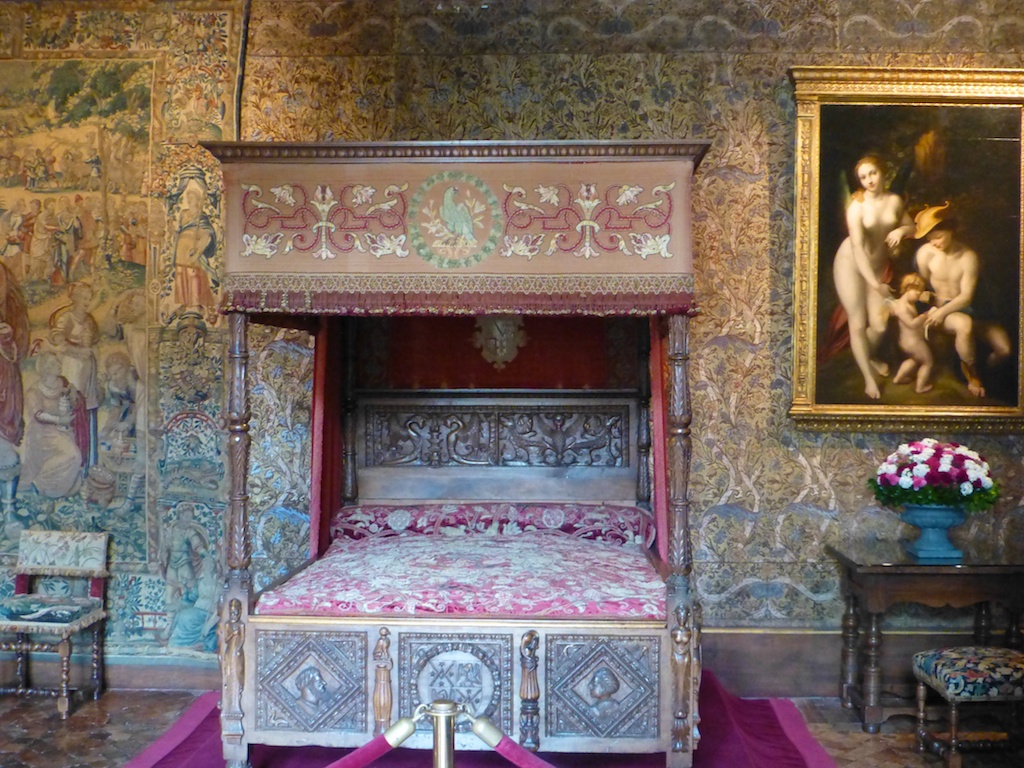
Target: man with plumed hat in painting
{"points": [[952, 270]]}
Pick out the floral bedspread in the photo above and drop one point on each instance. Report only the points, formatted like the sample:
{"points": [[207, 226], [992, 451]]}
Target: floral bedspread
{"points": [[533, 574]]}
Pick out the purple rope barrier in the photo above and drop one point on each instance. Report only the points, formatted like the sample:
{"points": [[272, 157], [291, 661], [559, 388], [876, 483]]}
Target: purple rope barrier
{"points": [[519, 755], [402, 729], [364, 755], [511, 750], [377, 747]]}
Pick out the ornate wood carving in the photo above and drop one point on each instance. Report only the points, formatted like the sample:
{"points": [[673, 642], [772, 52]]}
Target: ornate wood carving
{"points": [[382, 699], [238, 417], [497, 435], [685, 634], [849, 656], [470, 669], [680, 553], [602, 686], [235, 600], [686, 673], [529, 693], [499, 337], [311, 681], [318, 680], [231, 642]]}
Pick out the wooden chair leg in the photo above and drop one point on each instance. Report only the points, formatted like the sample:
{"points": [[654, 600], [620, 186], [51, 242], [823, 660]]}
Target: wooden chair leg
{"points": [[22, 662], [97, 660], [922, 696], [63, 698], [953, 757]]}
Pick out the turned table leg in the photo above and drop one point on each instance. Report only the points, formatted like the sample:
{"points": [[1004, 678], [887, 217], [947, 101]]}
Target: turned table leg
{"points": [[849, 659], [872, 693], [64, 692]]}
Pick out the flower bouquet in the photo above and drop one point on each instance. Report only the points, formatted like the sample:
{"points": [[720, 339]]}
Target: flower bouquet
{"points": [[935, 484]]}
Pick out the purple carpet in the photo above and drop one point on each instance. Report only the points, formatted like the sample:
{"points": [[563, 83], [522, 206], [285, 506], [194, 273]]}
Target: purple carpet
{"points": [[735, 733]]}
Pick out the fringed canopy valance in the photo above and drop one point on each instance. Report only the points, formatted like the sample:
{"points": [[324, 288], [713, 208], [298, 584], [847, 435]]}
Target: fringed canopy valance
{"points": [[596, 228]]}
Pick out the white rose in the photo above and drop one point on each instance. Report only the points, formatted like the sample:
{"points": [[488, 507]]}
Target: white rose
{"points": [[966, 489]]}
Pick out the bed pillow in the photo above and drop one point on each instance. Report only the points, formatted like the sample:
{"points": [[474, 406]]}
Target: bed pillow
{"points": [[601, 522], [453, 519], [618, 523]]}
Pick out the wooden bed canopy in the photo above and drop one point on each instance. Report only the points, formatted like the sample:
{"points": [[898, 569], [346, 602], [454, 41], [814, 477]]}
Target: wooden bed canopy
{"points": [[317, 233]]}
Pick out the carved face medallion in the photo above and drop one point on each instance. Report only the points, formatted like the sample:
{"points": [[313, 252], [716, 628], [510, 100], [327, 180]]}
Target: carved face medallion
{"points": [[499, 337]]}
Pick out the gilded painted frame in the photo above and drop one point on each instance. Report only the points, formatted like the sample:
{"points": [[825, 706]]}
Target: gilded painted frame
{"points": [[944, 136]]}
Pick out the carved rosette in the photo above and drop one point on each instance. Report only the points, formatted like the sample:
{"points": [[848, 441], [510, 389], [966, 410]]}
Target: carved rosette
{"points": [[469, 669]]}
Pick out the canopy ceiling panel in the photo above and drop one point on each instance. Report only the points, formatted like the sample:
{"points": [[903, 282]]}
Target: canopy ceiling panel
{"points": [[597, 228]]}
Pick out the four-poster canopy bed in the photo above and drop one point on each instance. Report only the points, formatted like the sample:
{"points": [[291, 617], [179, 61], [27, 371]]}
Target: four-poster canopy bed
{"points": [[501, 442]]}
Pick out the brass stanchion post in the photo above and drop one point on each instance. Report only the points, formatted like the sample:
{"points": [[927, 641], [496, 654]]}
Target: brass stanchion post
{"points": [[443, 712]]}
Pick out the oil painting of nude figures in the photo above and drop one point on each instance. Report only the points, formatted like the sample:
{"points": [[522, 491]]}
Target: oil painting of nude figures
{"points": [[918, 259]]}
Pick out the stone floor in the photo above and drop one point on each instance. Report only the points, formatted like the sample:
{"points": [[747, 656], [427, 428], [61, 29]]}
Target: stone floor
{"points": [[839, 731], [98, 734], [108, 732]]}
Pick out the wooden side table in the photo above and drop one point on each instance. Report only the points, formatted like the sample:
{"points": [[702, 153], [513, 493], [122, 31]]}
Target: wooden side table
{"points": [[878, 575]]}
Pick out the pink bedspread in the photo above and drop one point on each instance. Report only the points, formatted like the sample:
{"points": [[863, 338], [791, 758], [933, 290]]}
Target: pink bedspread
{"points": [[537, 574]]}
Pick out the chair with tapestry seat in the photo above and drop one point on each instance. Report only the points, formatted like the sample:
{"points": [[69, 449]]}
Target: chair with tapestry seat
{"points": [[54, 562], [969, 674]]}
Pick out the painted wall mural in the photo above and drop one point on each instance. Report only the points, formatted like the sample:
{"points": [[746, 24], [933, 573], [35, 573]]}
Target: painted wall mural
{"points": [[111, 242]]}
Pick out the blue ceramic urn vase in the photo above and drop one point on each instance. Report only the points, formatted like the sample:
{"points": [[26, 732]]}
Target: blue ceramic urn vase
{"points": [[934, 522]]}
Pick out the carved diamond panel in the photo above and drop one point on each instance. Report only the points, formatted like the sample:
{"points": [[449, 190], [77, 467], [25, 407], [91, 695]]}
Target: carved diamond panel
{"points": [[474, 670], [311, 681], [602, 686]]}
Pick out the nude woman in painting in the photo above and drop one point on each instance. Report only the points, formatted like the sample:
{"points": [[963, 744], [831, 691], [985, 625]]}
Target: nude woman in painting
{"points": [[877, 222]]}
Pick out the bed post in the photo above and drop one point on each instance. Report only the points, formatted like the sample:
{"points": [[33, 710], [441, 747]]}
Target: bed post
{"points": [[684, 611], [234, 606]]}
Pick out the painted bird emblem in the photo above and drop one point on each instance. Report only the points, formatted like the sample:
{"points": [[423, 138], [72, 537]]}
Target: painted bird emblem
{"points": [[457, 218]]}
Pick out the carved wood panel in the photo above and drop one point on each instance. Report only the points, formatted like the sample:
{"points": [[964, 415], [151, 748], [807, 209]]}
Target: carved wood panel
{"points": [[605, 687], [311, 681], [470, 669], [497, 435]]}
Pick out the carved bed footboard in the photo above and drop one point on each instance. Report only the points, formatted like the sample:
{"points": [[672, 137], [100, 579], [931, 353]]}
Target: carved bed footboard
{"points": [[587, 688]]}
